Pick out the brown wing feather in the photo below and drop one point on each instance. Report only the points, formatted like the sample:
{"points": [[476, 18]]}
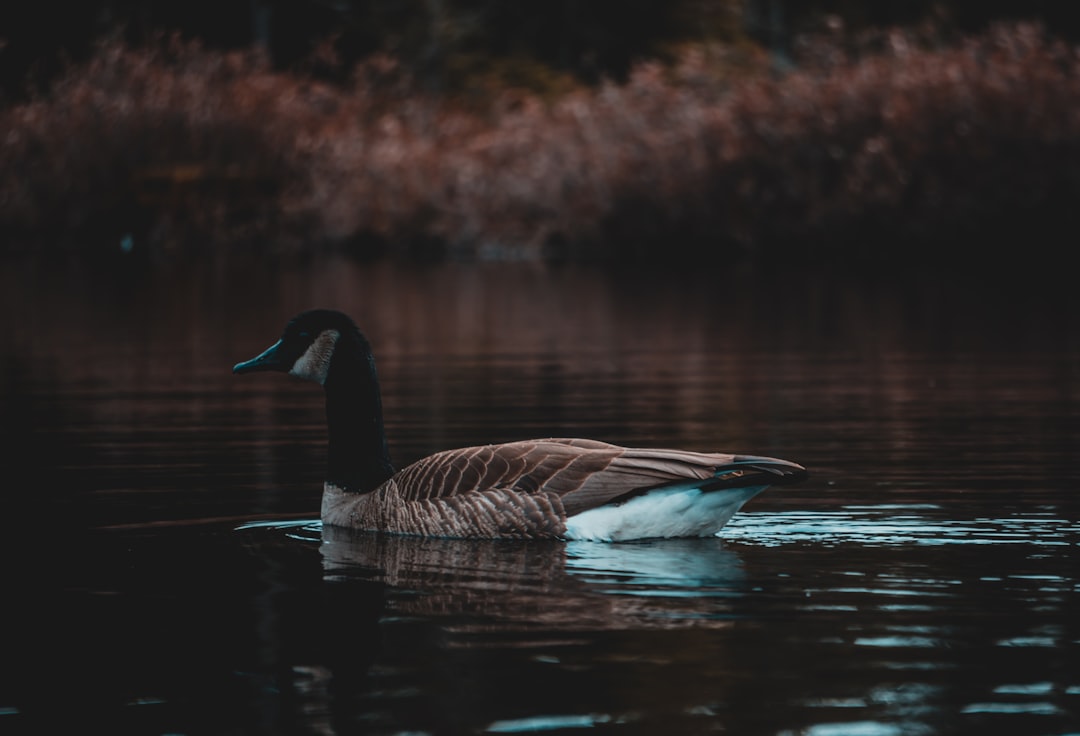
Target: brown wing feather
{"points": [[583, 473], [637, 468], [522, 466]]}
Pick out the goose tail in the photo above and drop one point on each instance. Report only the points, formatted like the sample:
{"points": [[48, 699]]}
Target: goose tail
{"points": [[753, 470], [698, 508]]}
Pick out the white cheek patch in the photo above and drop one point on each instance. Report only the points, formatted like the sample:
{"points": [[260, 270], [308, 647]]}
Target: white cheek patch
{"points": [[315, 362]]}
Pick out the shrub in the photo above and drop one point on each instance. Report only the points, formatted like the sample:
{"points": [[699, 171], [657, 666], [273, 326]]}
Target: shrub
{"points": [[917, 143], [166, 138], [911, 146]]}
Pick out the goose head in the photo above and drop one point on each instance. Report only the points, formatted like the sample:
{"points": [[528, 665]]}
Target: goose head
{"points": [[306, 347], [325, 347]]}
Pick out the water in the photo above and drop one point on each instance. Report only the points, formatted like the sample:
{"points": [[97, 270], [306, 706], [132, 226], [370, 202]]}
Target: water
{"points": [[166, 572]]}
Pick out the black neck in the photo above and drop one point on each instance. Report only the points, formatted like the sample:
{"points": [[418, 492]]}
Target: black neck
{"points": [[359, 459]]}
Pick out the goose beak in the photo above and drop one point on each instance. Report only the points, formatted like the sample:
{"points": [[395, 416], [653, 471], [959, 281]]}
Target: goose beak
{"points": [[268, 360]]}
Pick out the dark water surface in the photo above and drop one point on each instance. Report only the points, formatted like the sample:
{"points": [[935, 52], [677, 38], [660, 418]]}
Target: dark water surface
{"points": [[165, 571]]}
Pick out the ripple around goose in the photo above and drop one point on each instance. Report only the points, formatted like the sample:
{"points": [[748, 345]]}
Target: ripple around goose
{"points": [[577, 489]]}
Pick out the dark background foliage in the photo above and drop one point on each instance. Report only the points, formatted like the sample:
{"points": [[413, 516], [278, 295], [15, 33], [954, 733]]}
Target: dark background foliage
{"points": [[594, 128], [440, 40]]}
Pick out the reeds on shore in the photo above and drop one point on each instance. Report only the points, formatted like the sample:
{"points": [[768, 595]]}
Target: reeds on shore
{"points": [[917, 146]]}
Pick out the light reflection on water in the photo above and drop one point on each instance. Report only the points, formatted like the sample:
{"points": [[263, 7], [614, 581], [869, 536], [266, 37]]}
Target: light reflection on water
{"points": [[713, 570], [898, 524], [920, 630], [676, 568], [541, 587]]}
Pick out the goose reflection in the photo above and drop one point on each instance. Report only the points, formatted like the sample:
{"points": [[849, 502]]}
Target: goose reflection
{"points": [[542, 585]]}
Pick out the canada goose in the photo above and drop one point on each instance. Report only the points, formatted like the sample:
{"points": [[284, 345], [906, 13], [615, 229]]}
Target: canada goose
{"points": [[564, 488]]}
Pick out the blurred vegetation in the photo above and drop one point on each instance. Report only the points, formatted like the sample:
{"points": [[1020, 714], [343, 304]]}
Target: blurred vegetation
{"points": [[443, 43], [813, 129]]}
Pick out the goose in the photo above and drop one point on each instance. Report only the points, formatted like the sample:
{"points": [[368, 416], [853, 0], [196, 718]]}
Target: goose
{"points": [[570, 489]]}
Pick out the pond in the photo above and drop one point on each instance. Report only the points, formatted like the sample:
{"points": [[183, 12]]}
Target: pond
{"points": [[166, 571]]}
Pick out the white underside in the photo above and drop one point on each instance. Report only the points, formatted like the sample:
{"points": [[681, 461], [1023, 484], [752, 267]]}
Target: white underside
{"points": [[672, 512]]}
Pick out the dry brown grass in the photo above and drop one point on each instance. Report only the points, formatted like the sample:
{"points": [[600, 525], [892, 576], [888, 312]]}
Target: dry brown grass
{"points": [[851, 153]]}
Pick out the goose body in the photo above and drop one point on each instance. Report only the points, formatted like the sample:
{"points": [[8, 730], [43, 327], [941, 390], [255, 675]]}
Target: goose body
{"points": [[547, 488]]}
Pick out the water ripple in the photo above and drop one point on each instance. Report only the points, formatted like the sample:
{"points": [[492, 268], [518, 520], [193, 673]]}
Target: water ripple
{"points": [[893, 524], [305, 530]]}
